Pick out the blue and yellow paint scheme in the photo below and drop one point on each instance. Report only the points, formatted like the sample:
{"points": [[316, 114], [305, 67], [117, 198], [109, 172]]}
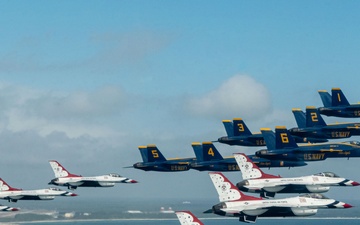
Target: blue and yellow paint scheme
{"points": [[314, 126], [208, 158], [154, 160], [337, 105], [239, 134], [287, 149]]}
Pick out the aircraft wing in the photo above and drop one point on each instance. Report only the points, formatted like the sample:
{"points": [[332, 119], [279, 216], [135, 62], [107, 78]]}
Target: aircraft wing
{"points": [[279, 185], [29, 196], [177, 163], [77, 183], [14, 197]]}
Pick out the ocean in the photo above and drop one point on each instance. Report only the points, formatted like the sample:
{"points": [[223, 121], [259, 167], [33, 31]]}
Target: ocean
{"points": [[207, 221], [141, 212]]}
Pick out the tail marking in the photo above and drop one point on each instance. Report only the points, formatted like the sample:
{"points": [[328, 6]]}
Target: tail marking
{"points": [[187, 218], [59, 170]]}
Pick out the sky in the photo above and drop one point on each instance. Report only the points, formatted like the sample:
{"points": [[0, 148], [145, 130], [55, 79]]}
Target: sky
{"points": [[87, 82]]}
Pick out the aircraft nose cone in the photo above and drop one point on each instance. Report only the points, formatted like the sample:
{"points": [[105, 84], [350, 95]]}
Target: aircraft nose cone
{"points": [[73, 194], [14, 209], [133, 181], [347, 206], [355, 183]]}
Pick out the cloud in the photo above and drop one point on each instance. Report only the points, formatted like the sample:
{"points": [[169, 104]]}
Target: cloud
{"points": [[239, 96], [76, 113]]}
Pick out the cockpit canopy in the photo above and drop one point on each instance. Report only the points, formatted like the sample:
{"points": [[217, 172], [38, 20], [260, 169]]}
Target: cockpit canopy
{"points": [[55, 189], [326, 174], [354, 143], [114, 175], [314, 195]]}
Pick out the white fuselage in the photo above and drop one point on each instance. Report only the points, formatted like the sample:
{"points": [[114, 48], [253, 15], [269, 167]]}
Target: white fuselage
{"points": [[93, 181], [40, 194], [313, 183], [297, 206]]}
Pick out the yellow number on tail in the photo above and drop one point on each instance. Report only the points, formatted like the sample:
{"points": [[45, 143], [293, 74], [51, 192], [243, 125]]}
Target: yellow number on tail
{"points": [[339, 99], [155, 154], [241, 127], [211, 152], [314, 117], [284, 138]]}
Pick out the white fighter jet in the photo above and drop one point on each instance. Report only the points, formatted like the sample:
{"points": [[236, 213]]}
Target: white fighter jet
{"points": [[256, 181], [14, 194], [187, 218], [5, 208], [248, 208], [72, 181]]}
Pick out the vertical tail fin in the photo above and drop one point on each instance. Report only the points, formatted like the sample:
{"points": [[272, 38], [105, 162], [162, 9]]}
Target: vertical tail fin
{"points": [[284, 139], [187, 218], [325, 98], [154, 154], [143, 153], [5, 187], [313, 117], [226, 190], [300, 117], [248, 169], [198, 150], [229, 127], [269, 137], [59, 170], [240, 128], [210, 152], [338, 98]]}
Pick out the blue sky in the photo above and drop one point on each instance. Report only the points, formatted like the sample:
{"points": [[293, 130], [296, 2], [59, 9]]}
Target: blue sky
{"points": [[87, 82]]}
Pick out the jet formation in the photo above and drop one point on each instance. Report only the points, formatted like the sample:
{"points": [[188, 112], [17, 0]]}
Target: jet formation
{"points": [[308, 142], [63, 178], [234, 203], [283, 148], [208, 158]]}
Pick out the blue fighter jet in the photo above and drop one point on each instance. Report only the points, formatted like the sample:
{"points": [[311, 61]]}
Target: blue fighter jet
{"points": [[208, 158], [312, 125], [153, 160], [239, 134], [337, 104], [287, 149]]}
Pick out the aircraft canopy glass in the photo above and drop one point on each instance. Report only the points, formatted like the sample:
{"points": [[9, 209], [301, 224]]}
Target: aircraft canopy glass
{"points": [[355, 143], [314, 195], [327, 174], [114, 175], [55, 189]]}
